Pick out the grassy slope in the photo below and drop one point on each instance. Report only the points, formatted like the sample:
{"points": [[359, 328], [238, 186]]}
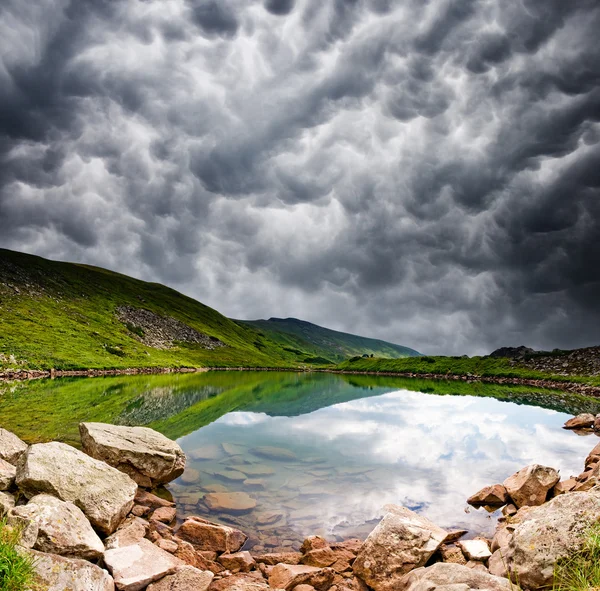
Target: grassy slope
{"points": [[62, 316], [316, 341], [475, 366]]}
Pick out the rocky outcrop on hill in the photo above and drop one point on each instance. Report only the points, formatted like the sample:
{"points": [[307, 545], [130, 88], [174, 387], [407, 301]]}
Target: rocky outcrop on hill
{"points": [[162, 332]]}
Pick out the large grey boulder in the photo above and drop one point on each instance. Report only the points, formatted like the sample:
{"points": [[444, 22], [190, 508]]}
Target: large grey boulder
{"points": [[530, 485], [11, 447], [56, 573], [147, 456], [549, 533], [452, 577], [135, 567], [62, 528], [7, 474], [401, 542], [103, 493]]}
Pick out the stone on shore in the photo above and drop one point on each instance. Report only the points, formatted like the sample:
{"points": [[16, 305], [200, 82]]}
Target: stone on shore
{"points": [[135, 567], [11, 447], [279, 557], [8, 472], [185, 578], [7, 502], [237, 562], [62, 528], [549, 533], [205, 535], [56, 573], [475, 549], [103, 493], [147, 456], [401, 542], [130, 532], [494, 495], [530, 485], [582, 421], [452, 577], [288, 576], [564, 486]]}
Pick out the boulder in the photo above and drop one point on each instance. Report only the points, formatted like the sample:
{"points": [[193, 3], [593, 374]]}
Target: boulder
{"points": [[452, 554], [494, 496], [11, 447], [549, 533], [593, 456], [288, 576], [56, 573], [134, 567], [130, 532], [103, 493], [564, 486], [205, 535], [530, 485], [165, 514], [62, 528], [582, 421], [147, 456], [497, 564], [452, 577], [475, 549], [7, 502], [401, 542], [313, 543], [237, 562], [185, 578], [7, 475], [230, 502]]}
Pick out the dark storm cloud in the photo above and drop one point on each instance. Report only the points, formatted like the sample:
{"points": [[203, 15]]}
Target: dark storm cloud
{"points": [[421, 172]]}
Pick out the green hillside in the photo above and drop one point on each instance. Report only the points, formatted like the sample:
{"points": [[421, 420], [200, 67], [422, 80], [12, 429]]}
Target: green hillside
{"points": [[319, 342], [71, 316]]}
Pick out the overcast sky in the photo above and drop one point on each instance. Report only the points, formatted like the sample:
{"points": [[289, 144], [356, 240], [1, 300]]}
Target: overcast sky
{"points": [[422, 171]]}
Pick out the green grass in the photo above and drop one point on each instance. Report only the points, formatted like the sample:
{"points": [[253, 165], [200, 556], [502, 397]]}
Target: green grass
{"points": [[498, 367], [581, 570], [17, 571]]}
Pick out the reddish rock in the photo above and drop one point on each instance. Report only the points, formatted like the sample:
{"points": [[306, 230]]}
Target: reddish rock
{"points": [[205, 535], [530, 485], [230, 502], [582, 421], [287, 576], [319, 557], [237, 562], [168, 545], [279, 557], [253, 581], [353, 545], [455, 535], [593, 456], [452, 554], [131, 531], [147, 499], [494, 495], [185, 578], [313, 543], [188, 554], [165, 514], [564, 486], [140, 510]]}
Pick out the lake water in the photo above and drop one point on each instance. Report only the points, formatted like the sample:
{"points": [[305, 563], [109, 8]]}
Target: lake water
{"points": [[321, 453]]}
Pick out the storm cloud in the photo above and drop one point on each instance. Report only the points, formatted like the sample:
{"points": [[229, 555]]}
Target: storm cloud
{"points": [[422, 172]]}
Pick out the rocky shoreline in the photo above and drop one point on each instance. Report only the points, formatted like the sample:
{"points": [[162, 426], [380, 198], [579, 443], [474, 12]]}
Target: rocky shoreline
{"points": [[91, 523], [570, 387]]}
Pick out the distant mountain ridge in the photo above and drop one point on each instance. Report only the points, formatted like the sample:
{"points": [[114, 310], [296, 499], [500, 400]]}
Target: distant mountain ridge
{"points": [[66, 316], [326, 343]]}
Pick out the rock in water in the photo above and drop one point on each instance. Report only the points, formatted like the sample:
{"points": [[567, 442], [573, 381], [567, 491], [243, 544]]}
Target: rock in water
{"points": [[582, 421], [103, 493], [234, 502], [452, 577], [62, 528], [11, 447], [134, 567], [401, 542], [147, 456], [530, 485], [55, 573], [549, 533]]}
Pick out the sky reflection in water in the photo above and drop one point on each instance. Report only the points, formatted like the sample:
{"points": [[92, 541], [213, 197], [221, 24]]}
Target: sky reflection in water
{"points": [[422, 451]]}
